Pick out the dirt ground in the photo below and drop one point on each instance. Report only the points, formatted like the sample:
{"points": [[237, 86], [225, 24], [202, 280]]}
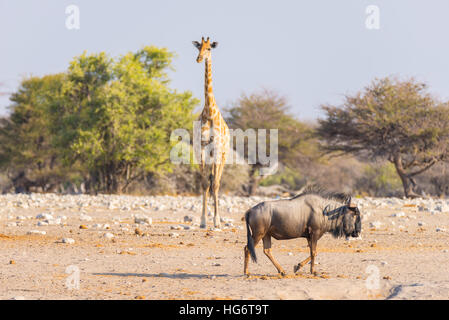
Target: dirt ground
{"points": [[402, 257]]}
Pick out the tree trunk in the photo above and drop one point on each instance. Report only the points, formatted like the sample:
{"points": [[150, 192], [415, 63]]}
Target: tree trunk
{"points": [[405, 178], [254, 180]]}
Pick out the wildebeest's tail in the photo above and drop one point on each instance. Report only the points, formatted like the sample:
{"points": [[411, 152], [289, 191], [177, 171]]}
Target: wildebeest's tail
{"points": [[250, 241]]}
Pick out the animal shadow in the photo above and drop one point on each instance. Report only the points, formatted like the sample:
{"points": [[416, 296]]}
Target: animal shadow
{"points": [[180, 275]]}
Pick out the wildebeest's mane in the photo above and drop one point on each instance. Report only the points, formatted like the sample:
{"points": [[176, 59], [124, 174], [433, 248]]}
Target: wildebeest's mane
{"points": [[329, 195]]}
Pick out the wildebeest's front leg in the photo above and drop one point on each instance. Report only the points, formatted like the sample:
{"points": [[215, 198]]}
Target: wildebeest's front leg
{"points": [[301, 264], [312, 245], [267, 251]]}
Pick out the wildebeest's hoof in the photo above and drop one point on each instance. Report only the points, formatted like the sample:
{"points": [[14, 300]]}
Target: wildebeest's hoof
{"points": [[282, 273], [296, 268]]}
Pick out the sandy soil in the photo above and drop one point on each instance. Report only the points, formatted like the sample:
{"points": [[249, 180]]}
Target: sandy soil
{"points": [[398, 257]]}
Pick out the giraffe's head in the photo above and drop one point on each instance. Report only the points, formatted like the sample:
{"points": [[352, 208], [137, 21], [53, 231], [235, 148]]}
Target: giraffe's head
{"points": [[204, 47]]}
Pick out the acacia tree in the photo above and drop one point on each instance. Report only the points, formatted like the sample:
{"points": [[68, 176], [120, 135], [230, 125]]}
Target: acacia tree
{"points": [[26, 152], [268, 110], [391, 119], [104, 121], [117, 116]]}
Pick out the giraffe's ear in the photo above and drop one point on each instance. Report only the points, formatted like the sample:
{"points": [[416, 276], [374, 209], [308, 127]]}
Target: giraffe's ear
{"points": [[196, 44], [214, 45]]}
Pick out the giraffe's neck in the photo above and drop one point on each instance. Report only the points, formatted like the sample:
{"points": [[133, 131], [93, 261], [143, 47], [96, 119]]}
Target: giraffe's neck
{"points": [[209, 94]]}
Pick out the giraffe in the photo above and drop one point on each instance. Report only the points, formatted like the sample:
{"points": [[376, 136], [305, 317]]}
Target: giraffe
{"points": [[214, 136]]}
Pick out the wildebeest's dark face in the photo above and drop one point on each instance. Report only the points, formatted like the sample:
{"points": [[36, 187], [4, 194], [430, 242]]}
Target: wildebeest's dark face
{"points": [[352, 222]]}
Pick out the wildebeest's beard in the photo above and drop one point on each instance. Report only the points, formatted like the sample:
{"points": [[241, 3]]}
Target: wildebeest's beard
{"points": [[342, 222], [358, 224]]}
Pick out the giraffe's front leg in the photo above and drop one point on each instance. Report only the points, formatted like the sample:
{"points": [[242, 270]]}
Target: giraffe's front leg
{"points": [[204, 211]]}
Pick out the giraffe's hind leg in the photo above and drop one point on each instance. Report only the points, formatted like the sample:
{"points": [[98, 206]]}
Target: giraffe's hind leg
{"points": [[217, 171]]}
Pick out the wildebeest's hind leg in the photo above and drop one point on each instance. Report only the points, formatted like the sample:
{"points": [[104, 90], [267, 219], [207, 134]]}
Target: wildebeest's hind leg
{"points": [[267, 251]]}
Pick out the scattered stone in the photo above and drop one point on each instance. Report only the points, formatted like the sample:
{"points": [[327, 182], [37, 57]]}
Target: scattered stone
{"points": [[108, 235], [375, 224], [142, 219], [173, 234], [398, 215], [37, 232], [44, 216], [68, 240], [83, 226], [84, 217]]}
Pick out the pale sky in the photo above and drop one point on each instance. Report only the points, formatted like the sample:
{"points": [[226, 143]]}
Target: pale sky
{"points": [[313, 52]]}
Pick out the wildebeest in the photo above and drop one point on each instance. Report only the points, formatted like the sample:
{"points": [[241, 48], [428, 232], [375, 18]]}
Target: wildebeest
{"points": [[308, 215]]}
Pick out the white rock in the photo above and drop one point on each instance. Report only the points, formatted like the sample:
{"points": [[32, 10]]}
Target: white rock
{"points": [[42, 223], [398, 214], [173, 234], [85, 217], [189, 219], [12, 224], [45, 216], [440, 230], [108, 235], [68, 240], [375, 224], [142, 219], [52, 222], [420, 224], [37, 232]]}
